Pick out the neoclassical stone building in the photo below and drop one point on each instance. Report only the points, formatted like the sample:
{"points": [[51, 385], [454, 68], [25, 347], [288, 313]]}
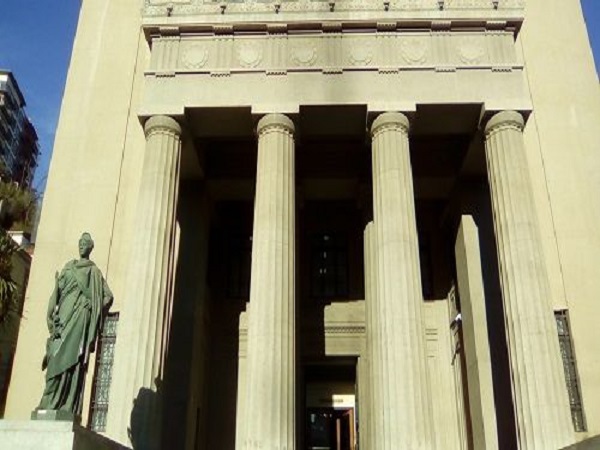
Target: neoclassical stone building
{"points": [[331, 224]]}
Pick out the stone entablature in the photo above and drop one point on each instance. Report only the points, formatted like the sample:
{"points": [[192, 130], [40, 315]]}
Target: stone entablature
{"points": [[158, 8], [388, 59], [331, 53]]}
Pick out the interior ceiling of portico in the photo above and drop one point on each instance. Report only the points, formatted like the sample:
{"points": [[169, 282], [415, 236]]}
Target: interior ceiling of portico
{"points": [[333, 150]]}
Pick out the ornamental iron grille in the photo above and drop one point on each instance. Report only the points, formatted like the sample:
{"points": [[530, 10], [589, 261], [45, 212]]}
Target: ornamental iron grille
{"points": [[570, 368], [103, 373]]}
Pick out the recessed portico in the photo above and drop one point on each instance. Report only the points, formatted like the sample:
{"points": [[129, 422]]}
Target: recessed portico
{"points": [[336, 179]]}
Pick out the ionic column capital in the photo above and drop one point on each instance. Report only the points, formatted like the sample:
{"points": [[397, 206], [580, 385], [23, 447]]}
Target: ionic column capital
{"points": [[165, 124], [275, 121], [505, 119], [390, 120]]}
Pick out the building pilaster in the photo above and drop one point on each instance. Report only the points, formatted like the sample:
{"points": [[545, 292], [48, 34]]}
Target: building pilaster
{"points": [[402, 405], [539, 391], [475, 342], [135, 394], [270, 375]]}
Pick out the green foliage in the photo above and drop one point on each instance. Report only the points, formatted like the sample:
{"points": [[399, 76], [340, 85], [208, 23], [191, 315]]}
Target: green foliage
{"points": [[8, 287], [18, 207]]}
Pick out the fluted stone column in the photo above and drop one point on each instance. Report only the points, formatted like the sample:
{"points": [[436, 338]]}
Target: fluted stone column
{"points": [[270, 391], [373, 345], [541, 403], [403, 410], [139, 346]]}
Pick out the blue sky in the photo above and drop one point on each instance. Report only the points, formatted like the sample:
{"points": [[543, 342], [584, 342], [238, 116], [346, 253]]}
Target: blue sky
{"points": [[35, 43]]}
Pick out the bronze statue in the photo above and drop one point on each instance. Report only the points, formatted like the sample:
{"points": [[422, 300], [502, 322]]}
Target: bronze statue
{"points": [[77, 307]]}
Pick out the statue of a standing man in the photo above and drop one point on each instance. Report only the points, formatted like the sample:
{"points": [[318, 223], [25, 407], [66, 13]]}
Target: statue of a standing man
{"points": [[77, 307]]}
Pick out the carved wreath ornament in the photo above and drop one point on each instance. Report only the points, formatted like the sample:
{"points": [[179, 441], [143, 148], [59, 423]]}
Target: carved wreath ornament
{"points": [[249, 54], [414, 50], [304, 55], [361, 55], [195, 56], [471, 49]]}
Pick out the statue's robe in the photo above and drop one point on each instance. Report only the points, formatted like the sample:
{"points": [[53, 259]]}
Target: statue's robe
{"points": [[75, 317]]}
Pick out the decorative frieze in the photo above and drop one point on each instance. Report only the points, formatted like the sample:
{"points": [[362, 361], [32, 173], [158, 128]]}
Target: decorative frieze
{"points": [[333, 52], [157, 8]]}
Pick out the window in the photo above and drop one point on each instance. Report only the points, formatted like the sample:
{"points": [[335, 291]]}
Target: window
{"points": [[103, 374], [329, 266], [570, 368], [239, 262]]}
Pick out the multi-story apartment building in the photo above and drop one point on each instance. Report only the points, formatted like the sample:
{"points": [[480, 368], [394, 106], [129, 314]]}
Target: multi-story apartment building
{"points": [[331, 224], [19, 148]]}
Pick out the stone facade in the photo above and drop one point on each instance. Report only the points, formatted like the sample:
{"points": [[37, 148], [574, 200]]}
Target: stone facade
{"points": [[340, 224]]}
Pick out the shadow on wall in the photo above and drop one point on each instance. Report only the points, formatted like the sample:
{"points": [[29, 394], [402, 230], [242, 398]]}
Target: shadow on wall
{"points": [[144, 424]]}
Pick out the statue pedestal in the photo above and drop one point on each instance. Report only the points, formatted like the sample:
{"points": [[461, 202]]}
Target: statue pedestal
{"points": [[51, 414], [54, 434], [38, 434]]}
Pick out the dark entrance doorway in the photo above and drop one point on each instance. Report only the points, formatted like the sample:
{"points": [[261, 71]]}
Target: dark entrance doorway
{"points": [[330, 429], [330, 411]]}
